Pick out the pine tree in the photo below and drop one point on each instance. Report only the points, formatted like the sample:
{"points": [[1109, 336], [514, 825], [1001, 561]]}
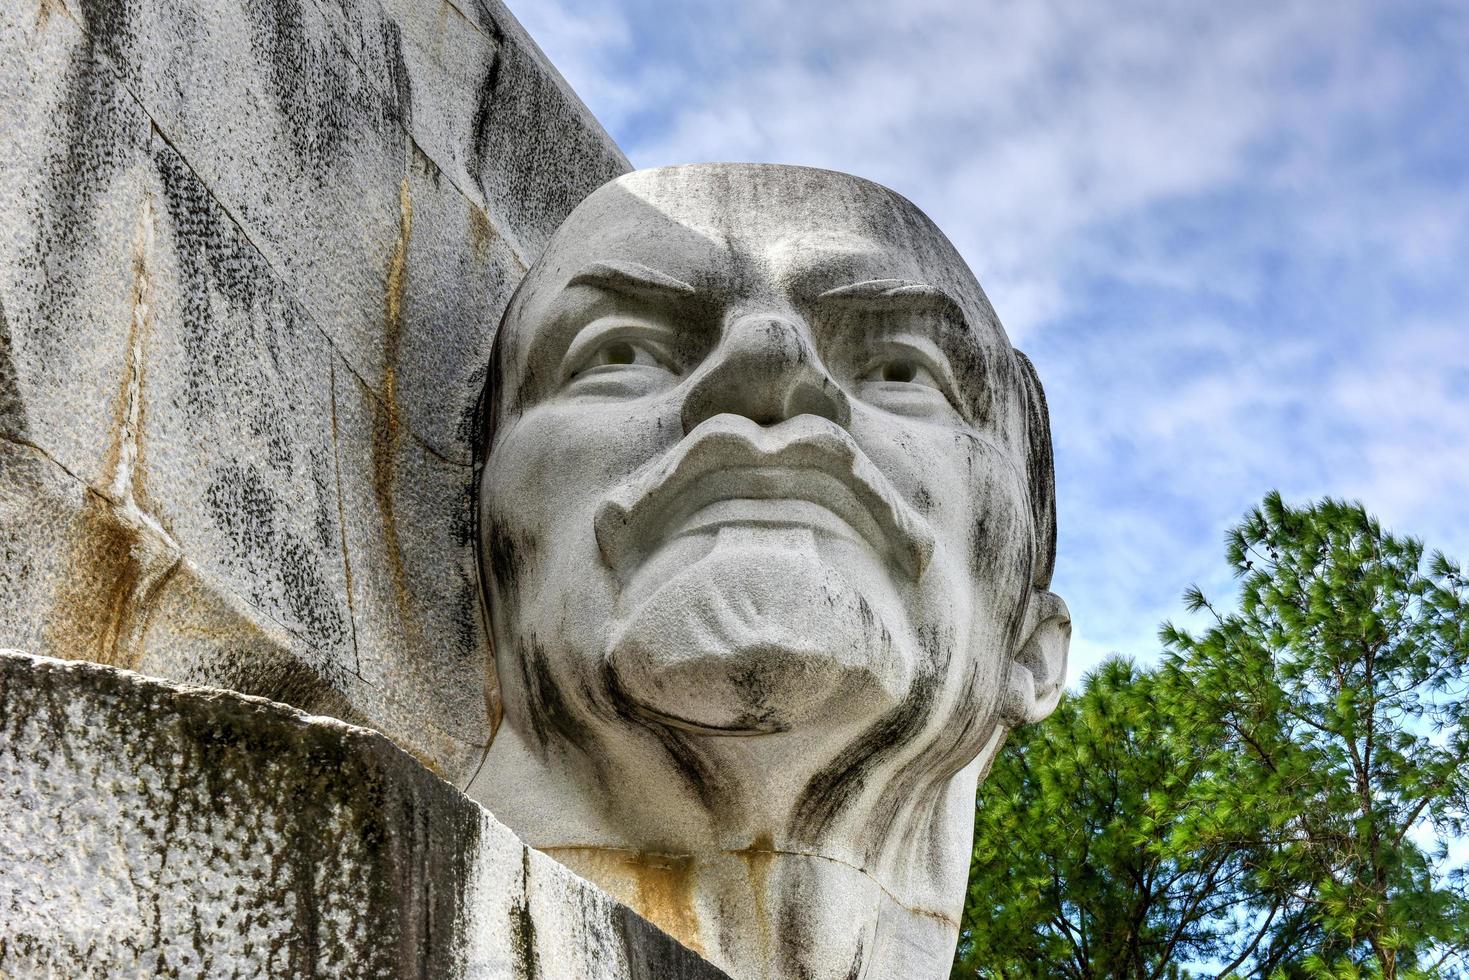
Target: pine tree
{"points": [[1279, 798], [1075, 874], [1335, 702]]}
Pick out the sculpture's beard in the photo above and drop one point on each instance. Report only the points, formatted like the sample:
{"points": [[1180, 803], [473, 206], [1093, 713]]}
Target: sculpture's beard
{"points": [[759, 634]]}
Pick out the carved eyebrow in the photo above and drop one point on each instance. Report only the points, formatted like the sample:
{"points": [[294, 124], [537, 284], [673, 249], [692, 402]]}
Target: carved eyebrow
{"points": [[884, 292], [632, 278]]}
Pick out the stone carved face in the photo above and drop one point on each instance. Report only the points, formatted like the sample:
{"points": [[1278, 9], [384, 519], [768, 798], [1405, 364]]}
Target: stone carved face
{"points": [[762, 466]]}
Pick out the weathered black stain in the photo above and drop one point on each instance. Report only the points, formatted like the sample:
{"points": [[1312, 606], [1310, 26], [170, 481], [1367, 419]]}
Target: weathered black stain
{"points": [[278, 675], [914, 782], [983, 374], [247, 508], [523, 926], [242, 339], [484, 107], [982, 557], [854, 972], [212, 249], [215, 259], [12, 407], [652, 954], [682, 749], [484, 418], [1041, 469], [986, 536], [400, 109], [549, 713], [94, 133], [754, 685], [304, 868], [508, 552], [310, 77], [841, 781], [535, 183], [922, 499], [325, 515], [109, 24]]}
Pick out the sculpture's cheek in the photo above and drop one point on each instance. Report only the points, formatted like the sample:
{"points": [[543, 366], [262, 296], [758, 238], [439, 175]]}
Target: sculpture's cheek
{"points": [[970, 488], [547, 582], [556, 462]]}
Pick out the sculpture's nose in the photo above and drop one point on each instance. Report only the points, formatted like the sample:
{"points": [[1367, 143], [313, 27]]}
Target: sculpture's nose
{"points": [[767, 371]]}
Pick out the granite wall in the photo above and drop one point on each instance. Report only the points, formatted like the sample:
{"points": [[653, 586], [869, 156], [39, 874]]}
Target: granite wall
{"points": [[251, 256]]}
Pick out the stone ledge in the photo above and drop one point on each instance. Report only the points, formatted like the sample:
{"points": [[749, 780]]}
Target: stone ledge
{"points": [[159, 829]]}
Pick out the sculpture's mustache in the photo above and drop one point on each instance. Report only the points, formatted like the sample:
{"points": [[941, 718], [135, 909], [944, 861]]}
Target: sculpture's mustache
{"points": [[729, 457]]}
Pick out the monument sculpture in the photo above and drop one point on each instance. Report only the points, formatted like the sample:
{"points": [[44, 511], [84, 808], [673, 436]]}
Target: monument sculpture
{"points": [[766, 523], [662, 632]]}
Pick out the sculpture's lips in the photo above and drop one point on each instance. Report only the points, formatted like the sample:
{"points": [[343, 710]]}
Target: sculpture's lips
{"points": [[804, 472]]}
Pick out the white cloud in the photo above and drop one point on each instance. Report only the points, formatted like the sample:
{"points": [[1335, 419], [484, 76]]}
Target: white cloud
{"points": [[1018, 124]]}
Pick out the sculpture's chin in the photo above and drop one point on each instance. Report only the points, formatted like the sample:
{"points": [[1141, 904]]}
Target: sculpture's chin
{"points": [[755, 640]]}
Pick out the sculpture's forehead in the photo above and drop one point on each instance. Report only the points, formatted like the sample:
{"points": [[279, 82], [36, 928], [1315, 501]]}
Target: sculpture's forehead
{"points": [[755, 205], [759, 222]]}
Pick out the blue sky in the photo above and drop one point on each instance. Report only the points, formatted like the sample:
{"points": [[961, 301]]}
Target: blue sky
{"points": [[1233, 237]]}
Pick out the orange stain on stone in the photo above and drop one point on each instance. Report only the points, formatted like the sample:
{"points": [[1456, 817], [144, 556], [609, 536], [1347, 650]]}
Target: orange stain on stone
{"points": [[385, 431], [481, 232], [46, 8], [758, 858], [659, 887], [120, 557]]}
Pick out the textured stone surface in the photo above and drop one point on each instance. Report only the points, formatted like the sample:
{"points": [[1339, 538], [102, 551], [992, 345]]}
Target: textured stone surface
{"points": [[159, 830], [764, 499], [251, 258], [768, 524]]}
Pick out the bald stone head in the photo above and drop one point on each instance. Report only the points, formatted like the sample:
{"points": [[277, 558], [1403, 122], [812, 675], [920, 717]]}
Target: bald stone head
{"points": [[765, 485]]}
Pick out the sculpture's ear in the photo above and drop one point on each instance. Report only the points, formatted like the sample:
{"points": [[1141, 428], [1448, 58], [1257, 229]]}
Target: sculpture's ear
{"points": [[1038, 671]]}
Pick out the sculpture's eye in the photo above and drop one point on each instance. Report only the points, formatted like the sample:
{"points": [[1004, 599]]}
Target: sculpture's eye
{"points": [[907, 375], [619, 357], [621, 353], [900, 370]]}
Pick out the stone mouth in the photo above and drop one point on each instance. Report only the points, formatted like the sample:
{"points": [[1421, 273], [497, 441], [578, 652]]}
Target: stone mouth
{"points": [[774, 498], [804, 472], [744, 730]]}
